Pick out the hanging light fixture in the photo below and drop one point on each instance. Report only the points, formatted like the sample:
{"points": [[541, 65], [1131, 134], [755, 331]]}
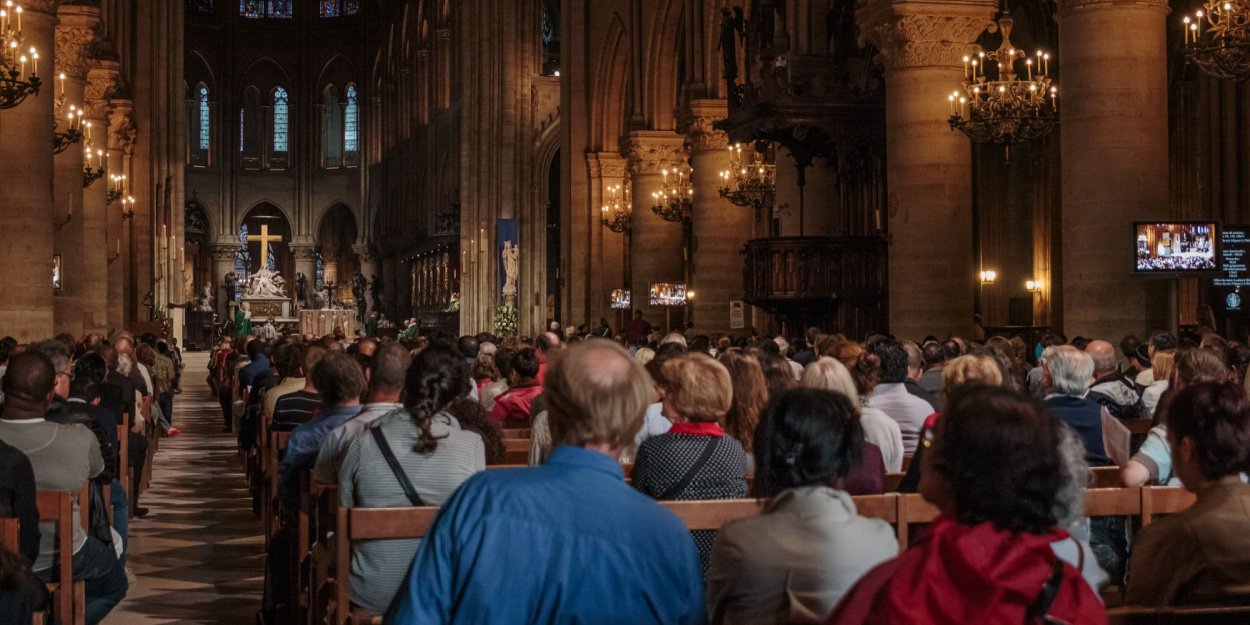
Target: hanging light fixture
{"points": [[19, 65], [675, 199], [66, 122], [616, 215], [1217, 38], [751, 183], [1010, 108]]}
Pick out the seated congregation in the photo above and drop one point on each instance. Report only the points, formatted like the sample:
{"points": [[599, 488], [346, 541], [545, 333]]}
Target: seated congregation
{"points": [[675, 479], [79, 428]]}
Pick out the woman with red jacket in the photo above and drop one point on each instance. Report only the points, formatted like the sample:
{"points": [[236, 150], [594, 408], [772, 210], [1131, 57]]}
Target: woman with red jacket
{"points": [[993, 467]]}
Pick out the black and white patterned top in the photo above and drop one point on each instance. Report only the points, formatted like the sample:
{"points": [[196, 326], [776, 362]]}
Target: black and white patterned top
{"points": [[663, 460]]}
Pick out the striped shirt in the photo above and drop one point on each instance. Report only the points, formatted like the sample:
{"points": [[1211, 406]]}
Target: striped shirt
{"points": [[296, 408], [366, 480]]}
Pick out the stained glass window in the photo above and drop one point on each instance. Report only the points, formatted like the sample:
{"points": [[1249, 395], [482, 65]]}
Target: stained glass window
{"points": [[329, 8], [280, 142], [205, 120], [336, 8], [252, 8], [242, 128], [241, 260], [351, 7], [320, 278], [282, 8], [351, 122]]}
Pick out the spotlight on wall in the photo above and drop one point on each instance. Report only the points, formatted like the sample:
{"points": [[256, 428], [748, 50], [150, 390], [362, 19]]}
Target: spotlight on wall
{"points": [[988, 277]]}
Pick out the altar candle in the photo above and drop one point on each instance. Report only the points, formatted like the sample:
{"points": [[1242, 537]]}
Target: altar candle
{"points": [[119, 246]]}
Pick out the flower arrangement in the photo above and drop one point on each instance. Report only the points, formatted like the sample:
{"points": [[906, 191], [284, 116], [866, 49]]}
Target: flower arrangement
{"points": [[454, 304], [506, 320]]}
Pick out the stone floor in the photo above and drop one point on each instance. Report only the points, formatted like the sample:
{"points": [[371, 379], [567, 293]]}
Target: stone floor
{"points": [[199, 554]]}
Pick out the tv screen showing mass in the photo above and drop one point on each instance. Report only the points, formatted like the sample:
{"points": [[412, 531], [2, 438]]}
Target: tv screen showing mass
{"points": [[1176, 247]]}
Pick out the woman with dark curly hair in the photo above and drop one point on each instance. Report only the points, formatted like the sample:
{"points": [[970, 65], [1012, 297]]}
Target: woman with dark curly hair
{"points": [[793, 562], [1201, 555], [995, 470], [474, 418], [430, 455]]}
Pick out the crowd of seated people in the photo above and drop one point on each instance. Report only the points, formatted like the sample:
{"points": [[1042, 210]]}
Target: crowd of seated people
{"points": [[68, 409], [1001, 437]]}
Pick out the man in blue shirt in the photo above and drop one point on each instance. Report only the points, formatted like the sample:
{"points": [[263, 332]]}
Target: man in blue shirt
{"points": [[257, 369], [341, 382], [566, 542]]}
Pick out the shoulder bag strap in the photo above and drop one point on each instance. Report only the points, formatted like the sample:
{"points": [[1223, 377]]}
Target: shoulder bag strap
{"points": [[694, 469], [391, 460], [1039, 611]]}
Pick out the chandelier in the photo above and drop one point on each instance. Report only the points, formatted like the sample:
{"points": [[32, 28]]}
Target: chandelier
{"points": [[616, 215], [675, 199], [1217, 39], [749, 184], [19, 67], [72, 120], [1010, 108]]}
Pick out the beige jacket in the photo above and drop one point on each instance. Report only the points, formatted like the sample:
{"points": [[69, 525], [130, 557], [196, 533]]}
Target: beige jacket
{"points": [[795, 561]]}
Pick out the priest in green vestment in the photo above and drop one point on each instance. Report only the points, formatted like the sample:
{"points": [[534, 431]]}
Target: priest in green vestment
{"points": [[242, 321]]}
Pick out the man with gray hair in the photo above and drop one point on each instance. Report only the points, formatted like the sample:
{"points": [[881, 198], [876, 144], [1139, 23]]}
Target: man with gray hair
{"points": [[1066, 374], [1110, 388]]}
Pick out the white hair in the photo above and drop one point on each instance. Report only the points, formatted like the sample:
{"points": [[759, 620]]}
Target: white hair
{"points": [[1071, 370], [674, 337]]}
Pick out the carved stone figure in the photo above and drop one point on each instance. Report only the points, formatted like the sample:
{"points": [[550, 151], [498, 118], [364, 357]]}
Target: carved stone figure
{"points": [[375, 292], [731, 24], [205, 301], [230, 284], [301, 290], [265, 283], [511, 257], [358, 293]]}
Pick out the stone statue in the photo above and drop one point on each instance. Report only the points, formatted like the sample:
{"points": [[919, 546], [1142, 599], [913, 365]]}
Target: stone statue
{"points": [[301, 290], [358, 293], [265, 283], [731, 24], [375, 292], [325, 297], [205, 301], [511, 256]]}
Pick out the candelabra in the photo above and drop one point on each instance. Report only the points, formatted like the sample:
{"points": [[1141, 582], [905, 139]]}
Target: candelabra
{"points": [[1009, 109], [674, 201], [90, 174], [117, 188], [72, 120], [16, 82], [1217, 38], [616, 211], [128, 207], [749, 184]]}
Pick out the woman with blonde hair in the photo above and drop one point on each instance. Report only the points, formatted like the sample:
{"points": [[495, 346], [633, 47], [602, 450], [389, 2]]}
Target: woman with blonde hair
{"points": [[880, 430], [1161, 367]]}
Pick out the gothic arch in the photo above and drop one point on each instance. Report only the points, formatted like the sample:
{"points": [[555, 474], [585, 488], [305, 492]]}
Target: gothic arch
{"points": [[337, 70], [263, 204], [660, 66], [197, 69], [610, 89], [266, 73], [325, 211]]}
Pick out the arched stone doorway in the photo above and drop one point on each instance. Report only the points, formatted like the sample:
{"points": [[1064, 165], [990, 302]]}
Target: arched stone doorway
{"points": [[337, 262]]}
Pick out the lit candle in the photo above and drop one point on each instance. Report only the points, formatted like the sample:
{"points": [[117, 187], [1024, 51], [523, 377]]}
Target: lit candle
{"points": [[119, 247], [18, 11], [62, 77], [966, 66], [35, 60]]}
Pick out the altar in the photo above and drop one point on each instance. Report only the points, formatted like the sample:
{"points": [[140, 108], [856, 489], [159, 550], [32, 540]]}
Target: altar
{"points": [[264, 308], [324, 322]]}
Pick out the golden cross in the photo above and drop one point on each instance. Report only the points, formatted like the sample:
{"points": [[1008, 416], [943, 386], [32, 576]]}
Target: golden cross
{"points": [[265, 240]]}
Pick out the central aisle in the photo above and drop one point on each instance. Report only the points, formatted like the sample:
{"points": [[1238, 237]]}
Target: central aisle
{"points": [[199, 554]]}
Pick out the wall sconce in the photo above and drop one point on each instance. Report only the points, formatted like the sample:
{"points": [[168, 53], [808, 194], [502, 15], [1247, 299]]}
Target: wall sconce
{"points": [[1033, 286], [988, 277], [689, 295]]}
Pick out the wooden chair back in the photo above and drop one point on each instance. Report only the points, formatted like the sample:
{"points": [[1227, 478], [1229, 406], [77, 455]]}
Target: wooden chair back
{"points": [[516, 456], [1222, 615], [68, 597], [1138, 426], [371, 524], [1104, 477], [892, 480], [517, 444], [1163, 500], [516, 432]]}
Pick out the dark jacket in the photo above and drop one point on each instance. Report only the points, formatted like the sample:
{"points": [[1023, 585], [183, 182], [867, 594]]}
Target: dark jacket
{"points": [[1084, 416], [17, 497]]}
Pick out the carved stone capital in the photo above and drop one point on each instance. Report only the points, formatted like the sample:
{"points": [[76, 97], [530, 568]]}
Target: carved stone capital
{"points": [[697, 122], [223, 252], [649, 151], [612, 166], [73, 50], [122, 129], [364, 252], [1067, 7], [304, 253], [924, 34], [98, 93], [593, 168]]}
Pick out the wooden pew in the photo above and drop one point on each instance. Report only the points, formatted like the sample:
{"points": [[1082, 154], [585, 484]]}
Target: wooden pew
{"points": [[892, 481], [906, 462], [1138, 426], [1104, 477], [1163, 500], [516, 432], [516, 444], [371, 524], [69, 598], [270, 505], [516, 456], [1231, 615]]}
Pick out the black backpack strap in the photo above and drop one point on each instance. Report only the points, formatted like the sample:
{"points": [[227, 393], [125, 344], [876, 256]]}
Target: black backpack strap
{"points": [[398, 470], [1038, 612], [690, 474]]}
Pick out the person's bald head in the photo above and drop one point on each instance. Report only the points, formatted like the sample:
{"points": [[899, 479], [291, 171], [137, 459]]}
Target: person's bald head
{"points": [[1104, 356], [29, 380], [108, 354], [123, 343], [367, 347], [546, 345], [596, 394]]}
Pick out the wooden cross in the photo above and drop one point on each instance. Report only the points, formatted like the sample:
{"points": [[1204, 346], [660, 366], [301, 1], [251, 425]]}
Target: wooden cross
{"points": [[265, 240]]}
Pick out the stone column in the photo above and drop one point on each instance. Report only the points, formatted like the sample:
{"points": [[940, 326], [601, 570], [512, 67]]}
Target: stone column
{"points": [[74, 37], [223, 263], [929, 167], [1114, 155], [369, 269], [121, 145], [305, 263], [99, 249], [720, 228], [26, 195], [655, 245], [608, 170]]}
